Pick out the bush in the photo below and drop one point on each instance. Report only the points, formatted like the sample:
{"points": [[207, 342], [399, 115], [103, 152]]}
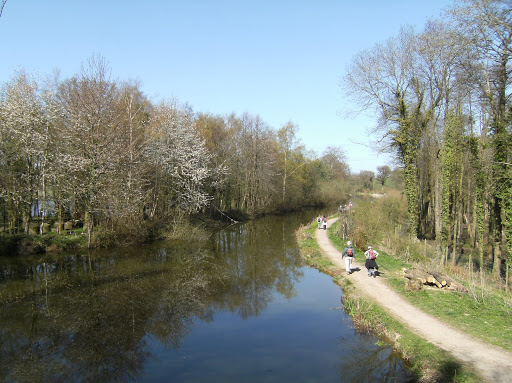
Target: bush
{"points": [[379, 222], [66, 242], [378, 219], [9, 244]]}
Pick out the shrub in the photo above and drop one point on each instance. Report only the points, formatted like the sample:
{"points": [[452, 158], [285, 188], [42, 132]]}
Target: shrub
{"points": [[377, 219]]}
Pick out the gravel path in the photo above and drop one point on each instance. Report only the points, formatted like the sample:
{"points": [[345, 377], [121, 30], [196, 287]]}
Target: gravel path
{"points": [[493, 363]]}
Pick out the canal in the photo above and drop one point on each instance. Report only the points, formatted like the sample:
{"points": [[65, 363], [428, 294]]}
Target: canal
{"points": [[239, 307]]}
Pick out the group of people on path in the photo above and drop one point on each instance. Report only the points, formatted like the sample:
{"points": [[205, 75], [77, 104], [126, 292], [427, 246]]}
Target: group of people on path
{"points": [[349, 253], [343, 208], [322, 222], [370, 262]]}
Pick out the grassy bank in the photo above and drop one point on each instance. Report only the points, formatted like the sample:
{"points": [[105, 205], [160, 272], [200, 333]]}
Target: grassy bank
{"points": [[482, 311], [427, 362], [180, 227], [28, 244]]}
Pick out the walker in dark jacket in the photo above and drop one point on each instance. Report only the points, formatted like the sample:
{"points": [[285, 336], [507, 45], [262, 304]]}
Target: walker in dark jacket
{"points": [[370, 263]]}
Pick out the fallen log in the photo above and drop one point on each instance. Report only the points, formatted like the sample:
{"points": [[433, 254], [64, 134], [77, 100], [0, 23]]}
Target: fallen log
{"points": [[433, 278], [416, 274], [441, 277], [437, 283]]}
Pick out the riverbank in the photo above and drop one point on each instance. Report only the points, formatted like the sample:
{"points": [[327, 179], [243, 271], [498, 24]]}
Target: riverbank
{"points": [[78, 238], [435, 351]]}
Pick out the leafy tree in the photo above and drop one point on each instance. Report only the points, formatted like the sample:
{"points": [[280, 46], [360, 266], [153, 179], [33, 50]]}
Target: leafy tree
{"points": [[486, 27], [452, 183], [383, 173], [366, 178], [291, 157]]}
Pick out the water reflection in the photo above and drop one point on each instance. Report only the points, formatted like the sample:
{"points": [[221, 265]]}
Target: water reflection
{"points": [[248, 255], [97, 316], [91, 324], [365, 361]]}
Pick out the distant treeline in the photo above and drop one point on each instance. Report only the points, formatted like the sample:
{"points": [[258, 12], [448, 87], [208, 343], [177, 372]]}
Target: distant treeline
{"points": [[443, 97], [93, 150]]}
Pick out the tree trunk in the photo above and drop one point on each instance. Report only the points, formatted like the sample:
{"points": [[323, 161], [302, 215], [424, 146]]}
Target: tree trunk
{"points": [[416, 274], [496, 262], [444, 279], [26, 221], [454, 247]]}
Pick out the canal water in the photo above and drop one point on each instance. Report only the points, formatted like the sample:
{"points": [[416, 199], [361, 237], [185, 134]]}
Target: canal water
{"points": [[239, 307]]}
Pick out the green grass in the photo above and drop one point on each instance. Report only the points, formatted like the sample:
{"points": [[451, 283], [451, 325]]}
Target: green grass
{"points": [[427, 362], [311, 251], [488, 318], [36, 244]]}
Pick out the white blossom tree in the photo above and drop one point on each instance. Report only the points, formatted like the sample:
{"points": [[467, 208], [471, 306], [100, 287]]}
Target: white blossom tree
{"points": [[24, 147], [179, 158]]}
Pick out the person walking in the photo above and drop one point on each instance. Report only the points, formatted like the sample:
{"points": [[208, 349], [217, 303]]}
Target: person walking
{"points": [[371, 263], [325, 223], [348, 253], [319, 220]]}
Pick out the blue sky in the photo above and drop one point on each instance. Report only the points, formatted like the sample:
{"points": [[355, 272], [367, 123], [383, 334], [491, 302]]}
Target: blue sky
{"points": [[282, 60]]}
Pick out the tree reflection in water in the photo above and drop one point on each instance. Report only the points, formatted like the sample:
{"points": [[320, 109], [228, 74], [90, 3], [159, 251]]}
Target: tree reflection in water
{"points": [[92, 325], [88, 316], [100, 316]]}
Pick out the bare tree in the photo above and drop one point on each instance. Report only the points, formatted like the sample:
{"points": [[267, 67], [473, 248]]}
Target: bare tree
{"points": [[366, 178], [384, 80], [89, 126], [2, 7], [335, 160], [254, 165], [409, 81], [218, 139]]}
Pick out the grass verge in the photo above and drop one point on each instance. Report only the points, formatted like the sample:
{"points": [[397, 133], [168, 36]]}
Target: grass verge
{"points": [[483, 313], [427, 362]]}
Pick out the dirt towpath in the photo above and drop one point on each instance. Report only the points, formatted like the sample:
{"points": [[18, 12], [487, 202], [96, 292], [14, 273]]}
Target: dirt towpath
{"points": [[492, 363]]}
